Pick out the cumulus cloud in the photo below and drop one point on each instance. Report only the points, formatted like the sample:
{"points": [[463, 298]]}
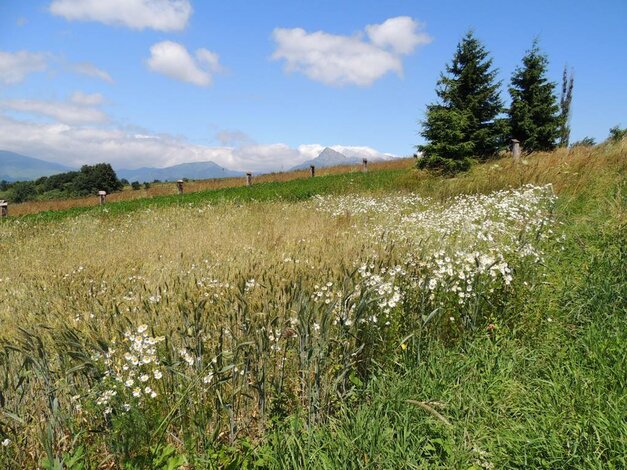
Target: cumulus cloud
{"points": [[91, 70], [161, 15], [15, 66], [133, 148], [80, 109], [400, 34], [349, 60], [173, 60]]}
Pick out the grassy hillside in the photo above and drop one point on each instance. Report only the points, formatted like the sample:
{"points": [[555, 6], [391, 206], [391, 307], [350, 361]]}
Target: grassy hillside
{"points": [[384, 320]]}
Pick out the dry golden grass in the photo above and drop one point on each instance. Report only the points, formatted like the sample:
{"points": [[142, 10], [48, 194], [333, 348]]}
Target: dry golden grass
{"points": [[566, 169], [163, 189]]}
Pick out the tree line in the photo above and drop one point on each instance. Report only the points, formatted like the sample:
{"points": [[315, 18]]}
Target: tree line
{"points": [[469, 121], [88, 180]]}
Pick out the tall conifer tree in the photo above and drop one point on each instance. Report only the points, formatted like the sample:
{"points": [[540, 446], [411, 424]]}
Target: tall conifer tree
{"points": [[534, 113], [468, 108]]}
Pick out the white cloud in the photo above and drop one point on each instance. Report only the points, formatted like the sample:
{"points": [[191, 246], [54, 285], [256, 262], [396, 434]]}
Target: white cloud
{"points": [[399, 34], [91, 70], [124, 148], [173, 60], [79, 110], [86, 99], [161, 15], [349, 60], [15, 66]]}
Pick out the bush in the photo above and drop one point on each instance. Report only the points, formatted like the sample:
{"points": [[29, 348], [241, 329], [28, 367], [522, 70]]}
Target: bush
{"points": [[585, 142], [617, 134], [136, 186], [23, 191]]}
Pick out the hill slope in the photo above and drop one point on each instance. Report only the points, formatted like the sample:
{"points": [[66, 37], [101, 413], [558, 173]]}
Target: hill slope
{"points": [[16, 167]]}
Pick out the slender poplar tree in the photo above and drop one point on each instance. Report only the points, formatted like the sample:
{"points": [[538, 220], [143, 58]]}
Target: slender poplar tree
{"points": [[568, 82]]}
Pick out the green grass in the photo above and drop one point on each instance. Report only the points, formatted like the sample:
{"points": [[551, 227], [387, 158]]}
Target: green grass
{"points": [[294, 190], [547, 389]]}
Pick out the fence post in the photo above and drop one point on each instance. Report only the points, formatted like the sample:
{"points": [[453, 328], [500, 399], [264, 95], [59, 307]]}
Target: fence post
{"points": [[102, 196], [312, 169], [364, 165], [4, 208], [516, 149], [179, 186], [249, 179]]}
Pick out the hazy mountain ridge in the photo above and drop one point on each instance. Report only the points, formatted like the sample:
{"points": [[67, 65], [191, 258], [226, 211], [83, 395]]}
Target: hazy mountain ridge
{"points": [[195, 170], [17, 167]]}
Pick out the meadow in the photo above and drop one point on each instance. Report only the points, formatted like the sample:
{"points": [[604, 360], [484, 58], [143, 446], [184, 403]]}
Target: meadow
{"points": [[389, 319]]}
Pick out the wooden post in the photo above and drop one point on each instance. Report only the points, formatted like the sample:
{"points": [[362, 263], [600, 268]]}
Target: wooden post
{"points": [[179, 186], [312, 169], [516, 150], [102, 195], [249, 179], [4, 208], [364, 165]]}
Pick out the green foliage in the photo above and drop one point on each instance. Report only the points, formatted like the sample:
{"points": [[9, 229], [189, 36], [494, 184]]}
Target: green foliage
{"points": [[463, 125], [136, 185], [22, 191], [89, 180], [565, 102], [617, 134], [534, 112], [93, 178]]}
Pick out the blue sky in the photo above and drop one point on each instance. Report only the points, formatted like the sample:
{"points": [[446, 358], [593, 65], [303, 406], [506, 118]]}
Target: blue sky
{"points": [[262, 86]]}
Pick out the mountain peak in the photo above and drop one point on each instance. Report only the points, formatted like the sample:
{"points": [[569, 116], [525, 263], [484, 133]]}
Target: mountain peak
{"points": [[329, 154]]}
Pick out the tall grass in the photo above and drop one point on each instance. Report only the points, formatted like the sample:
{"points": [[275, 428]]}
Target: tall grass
{"points": [[196, 329]]}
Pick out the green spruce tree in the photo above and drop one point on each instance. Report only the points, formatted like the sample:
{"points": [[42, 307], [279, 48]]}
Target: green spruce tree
{"points": [[464, 124], [534, 117]]}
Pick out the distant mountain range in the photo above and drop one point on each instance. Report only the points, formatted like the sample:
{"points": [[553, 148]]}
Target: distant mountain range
{"points": [[329, 157], [16, 167], [197, 171]]}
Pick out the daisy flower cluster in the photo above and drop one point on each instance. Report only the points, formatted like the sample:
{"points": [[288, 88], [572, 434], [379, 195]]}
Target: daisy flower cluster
{"points": [[131, 371], [452, 246]]}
